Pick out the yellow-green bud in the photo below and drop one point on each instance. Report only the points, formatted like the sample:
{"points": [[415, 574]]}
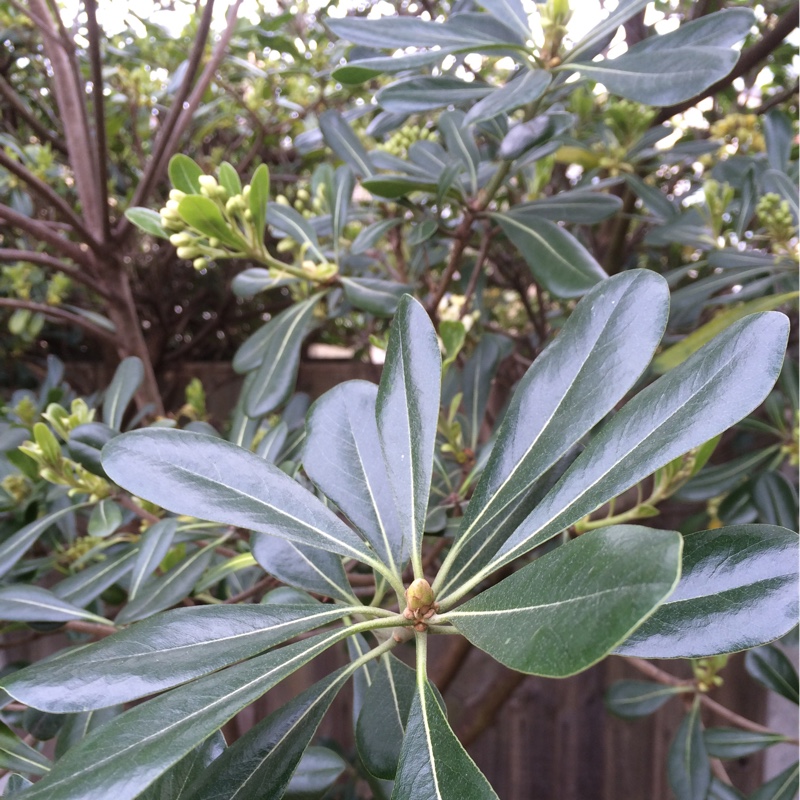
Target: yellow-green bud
{"points": [[213, 242], [200, 263], [176, 195], [181, 239], [419, 596], [207, 182], [188, 253]]}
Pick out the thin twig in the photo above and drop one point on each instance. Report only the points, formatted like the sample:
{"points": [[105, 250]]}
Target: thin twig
{"points": [[45, 260], [42, 131], [265, 583], [92, 628], [54, 312]]}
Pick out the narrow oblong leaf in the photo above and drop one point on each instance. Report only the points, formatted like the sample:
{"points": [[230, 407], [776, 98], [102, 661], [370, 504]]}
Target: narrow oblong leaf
{"points": [[184, 174], [525, 89], [782, 787], [343, 185], [412, 95], [261, 763], [772, 668], [303, 567], [721, 29], [20, 603], [153, 546], [259, 199], [377, 296], [604, 31], [735, 743], [275, 379], [125, 756], [317, 771], [599, 587], [343, 457], [713, 389], [738, 589], [340, 138], [688, 769], [207, 478], [229, 179], [84, 586], [615, 330], [460, 144], [509, 12], [161, 652], [556, 258], [124, 385], [433, 764], [634, 699], [17, 755], [286, 220], [407, 412], [575, 206]]}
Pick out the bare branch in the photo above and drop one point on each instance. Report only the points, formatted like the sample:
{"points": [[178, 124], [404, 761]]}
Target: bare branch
{"points": [[14, 100], [45, 260], [54, 312]]}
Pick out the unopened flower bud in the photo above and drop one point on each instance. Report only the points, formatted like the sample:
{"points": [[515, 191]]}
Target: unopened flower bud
{"points": [[419, 596], [177, 195]]}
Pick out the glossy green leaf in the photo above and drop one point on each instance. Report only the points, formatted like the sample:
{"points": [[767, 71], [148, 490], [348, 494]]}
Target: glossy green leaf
{"points": [[15, 547], [721, 29], [275, 379], [207, 478], [599, 587], [16, 755], [688, 769], [184, 174], [340, 138], [775, 497], [88, 584], [556, 258], [85, 443], [286, 220], [373, 234], [344, 459], [125, 756], [412, 95], [394, 186], [602, 33], [377, 296], [772, 668], [15, 783], [250, 282], [153, 546], [738, 589], [407, 413], [272, 443], [166, 590], [124, 385], [79, 726], [42, 725], [306, 568], [175, 783], [259, 200], [162, 652], [261, 763], [518, 92], [460, 144], [634, 699], [21, 603], [318, 769], [105, 518], [356, 72], [735, 743], [509, 12], [343, 185], [782, 787], [655, 81], [678, 353], [229, 179], [713, 389], [575, 206], [433, 764], [147, 220], [384, 716], [204, 215], [615, 330]]}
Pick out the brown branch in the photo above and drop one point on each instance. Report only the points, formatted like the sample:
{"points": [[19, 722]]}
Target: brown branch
{"points": [[14, 100], [265, 583], [748, 59], [448, 667], [92, 628], [140, 512], [481, 712], [160, 154], [778, 98], [60, 314], [462, 236], [93, 30], [45, 260], [45, 233]]}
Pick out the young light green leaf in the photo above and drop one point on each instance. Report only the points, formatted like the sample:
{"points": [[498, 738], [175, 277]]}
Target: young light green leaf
{"points": [[556, 258], [407, 413], [656, 81], [147, 220], [518, 92], [207, 478], [340, 138], [614, 329], [688, 769], [738, 590], [124, 385], [306, 568], [184, 174], [382, 722], [124, 757], [261, 763], [713, 389], [771, 668], [16, 755], [275, 379], [599, 587], [634, 699], [377, 296], [161, 652], [153, 546], [433, 764], [105, 518], [229, 179], [204, 215], [22, 603], [344, 459], [259, 200], [168, 589]]}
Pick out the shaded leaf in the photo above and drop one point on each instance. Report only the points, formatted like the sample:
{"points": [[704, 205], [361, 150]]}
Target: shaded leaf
{"points": [[634, 699], [22, 603], [124, 385], [340, 138], [781, 787], [771, 668], [318, 769], [734, 743], [688, 769], [153, 547], [375, 295], [412, 95], [16, 755]]}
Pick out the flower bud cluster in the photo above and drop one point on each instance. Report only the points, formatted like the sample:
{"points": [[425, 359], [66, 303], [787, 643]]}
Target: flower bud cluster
{"points": [[399, 142], [741, 130], [773, 214]]}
